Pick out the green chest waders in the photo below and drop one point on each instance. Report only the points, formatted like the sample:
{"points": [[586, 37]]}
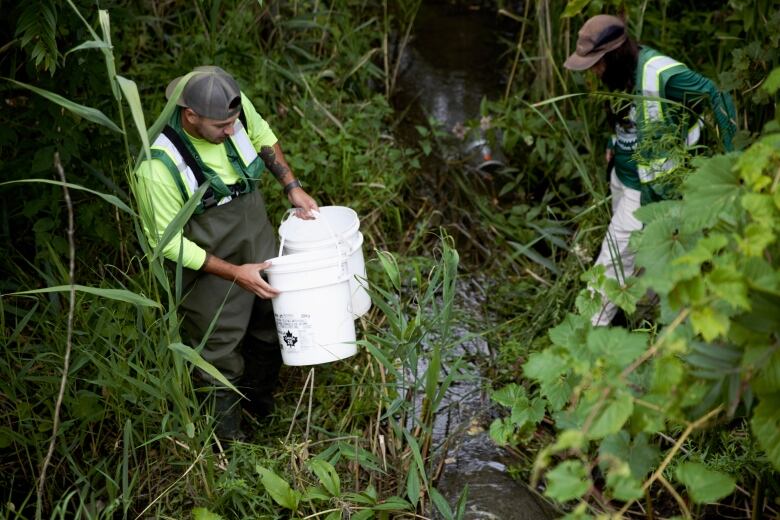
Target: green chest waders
{"points": [[238, 232]]}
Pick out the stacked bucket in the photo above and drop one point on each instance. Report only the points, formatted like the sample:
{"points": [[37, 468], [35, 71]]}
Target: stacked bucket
{"points": [[321, 275]]}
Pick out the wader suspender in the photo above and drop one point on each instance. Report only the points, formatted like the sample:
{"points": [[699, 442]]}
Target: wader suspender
{"points": [[208, 199]]}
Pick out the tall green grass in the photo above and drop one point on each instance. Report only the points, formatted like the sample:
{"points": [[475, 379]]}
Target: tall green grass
{"points": [[133, 440]]}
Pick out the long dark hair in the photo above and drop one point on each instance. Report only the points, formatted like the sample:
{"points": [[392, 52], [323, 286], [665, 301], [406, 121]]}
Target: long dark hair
{"points": [[620, 69], [620, 74]]}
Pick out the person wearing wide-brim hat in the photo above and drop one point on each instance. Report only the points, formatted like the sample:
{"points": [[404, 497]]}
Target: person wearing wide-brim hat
{"points": [[635, 160], [215, 143]]}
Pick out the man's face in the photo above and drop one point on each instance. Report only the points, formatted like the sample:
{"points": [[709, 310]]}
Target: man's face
{"points": [[212, 130]]}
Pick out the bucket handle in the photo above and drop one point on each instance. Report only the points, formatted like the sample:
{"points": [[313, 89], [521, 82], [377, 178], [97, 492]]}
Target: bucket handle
{"points": [[317, 217]]}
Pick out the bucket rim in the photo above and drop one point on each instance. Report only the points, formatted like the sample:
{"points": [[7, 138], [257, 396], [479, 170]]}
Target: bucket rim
{"points": [[286, 227], [296, 259], [352, 245]]}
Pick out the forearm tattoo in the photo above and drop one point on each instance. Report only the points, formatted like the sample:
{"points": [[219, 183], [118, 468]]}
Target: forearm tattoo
{"points": [[278, 168]]}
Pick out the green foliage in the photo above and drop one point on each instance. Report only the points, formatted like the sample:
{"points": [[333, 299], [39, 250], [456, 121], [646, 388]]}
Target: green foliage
{"points": [[704, 485], [709, 257], [36, 28], [130, 373]]}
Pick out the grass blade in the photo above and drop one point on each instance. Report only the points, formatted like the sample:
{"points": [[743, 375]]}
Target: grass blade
{"points": [[88, 113]]}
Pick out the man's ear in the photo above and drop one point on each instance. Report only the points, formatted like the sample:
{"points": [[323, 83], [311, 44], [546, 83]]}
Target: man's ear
{"points": [[190, 116]]}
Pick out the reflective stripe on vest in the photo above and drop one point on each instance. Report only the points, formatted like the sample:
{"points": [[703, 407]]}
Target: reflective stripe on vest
{"points": [[240, 141], [243, 145], [165, 145], [652, 111]]}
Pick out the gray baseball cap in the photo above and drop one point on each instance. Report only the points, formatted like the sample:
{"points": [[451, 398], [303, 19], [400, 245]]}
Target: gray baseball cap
{"points": [[599, 35], [210, 92]]}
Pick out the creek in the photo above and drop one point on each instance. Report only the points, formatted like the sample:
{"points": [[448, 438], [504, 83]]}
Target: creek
{"points": [[449, 65]]}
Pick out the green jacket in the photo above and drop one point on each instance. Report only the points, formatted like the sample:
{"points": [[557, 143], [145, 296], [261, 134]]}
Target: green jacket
{"points": [[641, 144]]}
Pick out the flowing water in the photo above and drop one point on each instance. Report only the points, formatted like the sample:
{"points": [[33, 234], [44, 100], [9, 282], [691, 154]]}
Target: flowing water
{"points": [[448, 67]]}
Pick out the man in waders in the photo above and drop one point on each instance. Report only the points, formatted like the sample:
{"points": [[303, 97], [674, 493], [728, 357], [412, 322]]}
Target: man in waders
{"points": [[635, 153], [216, 136]]}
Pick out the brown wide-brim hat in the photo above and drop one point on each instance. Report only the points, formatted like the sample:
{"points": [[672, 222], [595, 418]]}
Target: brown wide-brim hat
{"points": [[210, 92], [598, 36]]}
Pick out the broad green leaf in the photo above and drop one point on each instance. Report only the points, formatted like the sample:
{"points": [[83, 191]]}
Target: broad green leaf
{"points": [[688, 293], [668, 372], [761, 207], [772, 82], [703, 484], [657, 211], [712, 190], [624, 486], [501, 431], [545, 367], [612, 418], [121, 295], [393, 504], [659, 244], [767, 379], [641, 455], [202, 513], [367, 497], [88, 113], [111, 199], [648, 419], [705, 249], [312, 493], [754, 162], [509, 395], [709, 322], [727, 282], [193, 357], [569, 480], [558, 392], [616, 346], [756, 238], [363, 514], [766, 427], [327, 475], [532, 414], [570, 333], [625, 295], [588, 302], [279, 489]]}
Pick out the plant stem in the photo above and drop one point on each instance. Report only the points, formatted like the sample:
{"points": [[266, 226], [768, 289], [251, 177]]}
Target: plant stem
{"points": [[680, 502], [517, 53], [672, 452], [68, 339]]}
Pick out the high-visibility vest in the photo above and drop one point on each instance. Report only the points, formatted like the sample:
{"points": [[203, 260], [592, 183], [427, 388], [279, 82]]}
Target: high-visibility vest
{"points": [[172, 148], [653, 70]]}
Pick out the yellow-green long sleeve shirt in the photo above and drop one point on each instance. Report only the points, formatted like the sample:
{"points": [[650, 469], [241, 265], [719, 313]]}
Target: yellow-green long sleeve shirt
{"points": [[160, 200]]}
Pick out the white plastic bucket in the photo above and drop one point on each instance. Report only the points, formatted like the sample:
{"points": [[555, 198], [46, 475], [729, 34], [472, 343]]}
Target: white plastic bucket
{"points": [[313, 311], [335, 231]]}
